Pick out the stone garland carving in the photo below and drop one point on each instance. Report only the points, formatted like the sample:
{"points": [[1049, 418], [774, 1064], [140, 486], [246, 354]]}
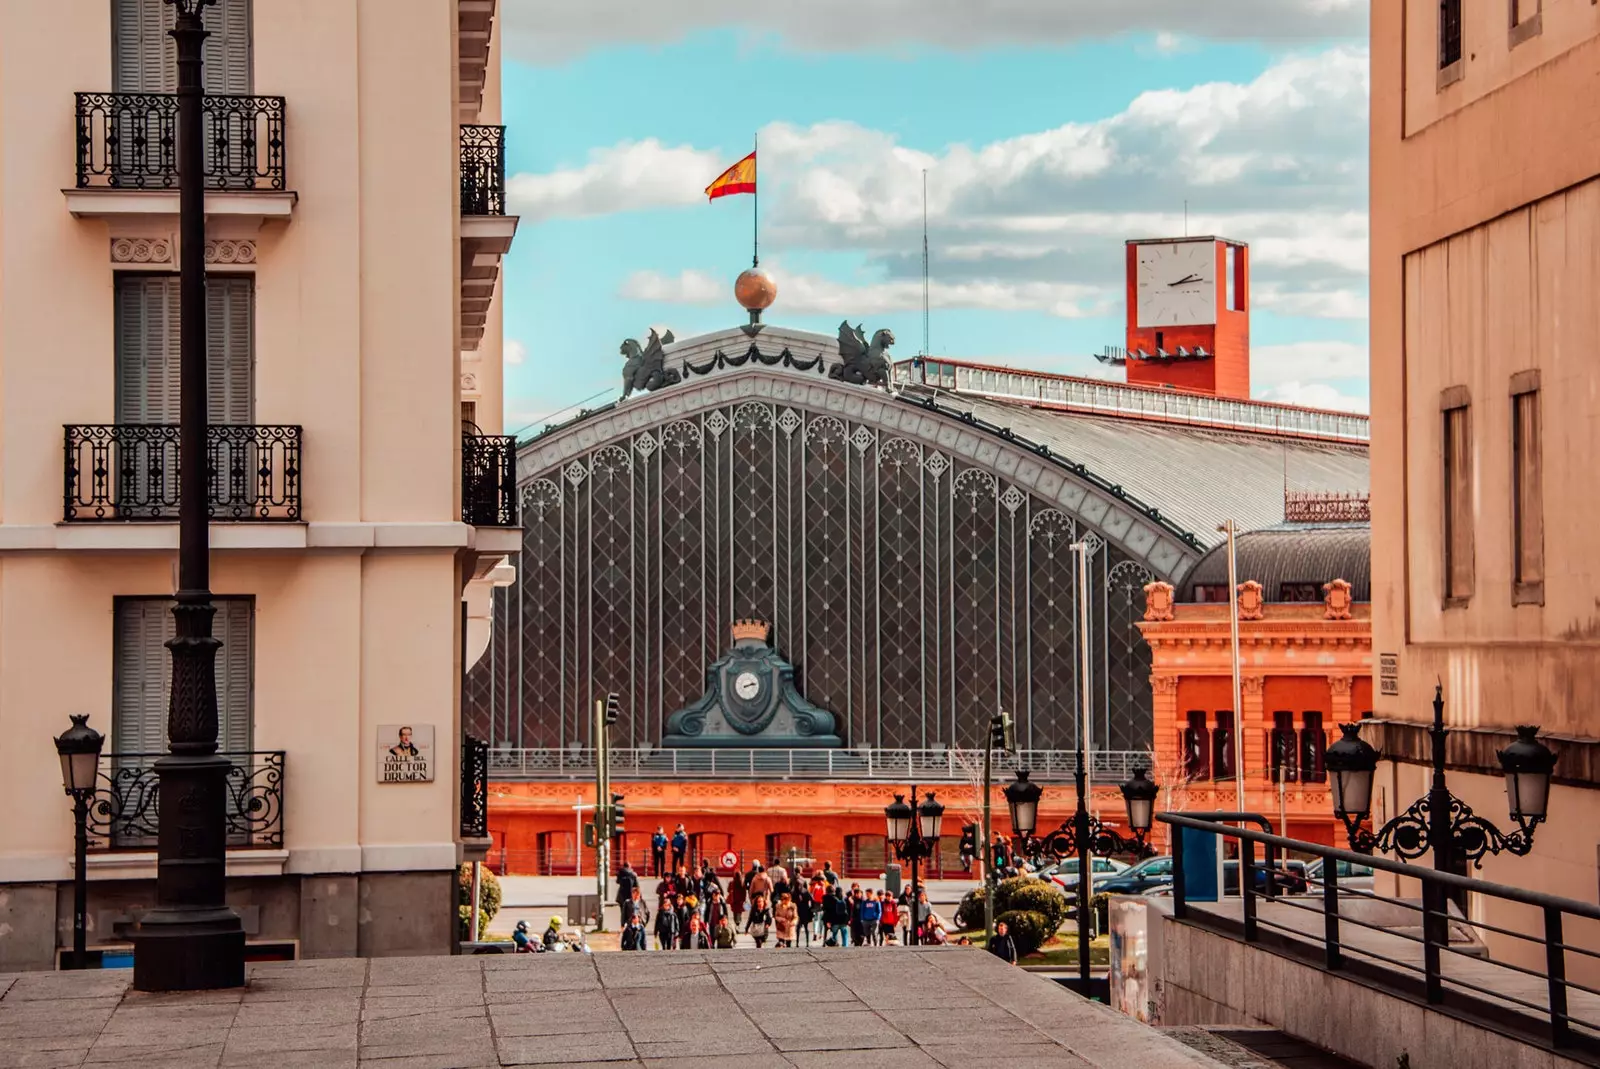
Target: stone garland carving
{"points": [[1251, 601], [141, 250]]}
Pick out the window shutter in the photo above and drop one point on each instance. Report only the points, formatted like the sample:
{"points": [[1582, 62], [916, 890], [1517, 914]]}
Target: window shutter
{"points": [[230, 349], [143, 58], [235, 716], [227, 51], [143, 675], [147, 349]]}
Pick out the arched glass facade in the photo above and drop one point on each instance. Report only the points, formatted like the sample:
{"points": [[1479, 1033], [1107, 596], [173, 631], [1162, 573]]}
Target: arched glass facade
{"points": [[915, 591]]}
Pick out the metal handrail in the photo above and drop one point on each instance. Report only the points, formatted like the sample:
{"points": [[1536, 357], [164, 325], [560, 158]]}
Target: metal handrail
{"points": [[1436, 920], [871, 765]]}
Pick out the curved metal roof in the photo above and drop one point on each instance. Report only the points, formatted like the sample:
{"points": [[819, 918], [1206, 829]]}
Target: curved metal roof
{"points": [[1292, 553]]}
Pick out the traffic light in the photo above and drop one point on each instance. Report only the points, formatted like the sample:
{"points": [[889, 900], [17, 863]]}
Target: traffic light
{"points": [[613, 708], [617, 827], [590, 838], [1001, 736], [969, 843]]}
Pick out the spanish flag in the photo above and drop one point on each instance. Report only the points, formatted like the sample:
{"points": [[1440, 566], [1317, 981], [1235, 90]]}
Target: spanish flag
{"points": [[740, 178]]}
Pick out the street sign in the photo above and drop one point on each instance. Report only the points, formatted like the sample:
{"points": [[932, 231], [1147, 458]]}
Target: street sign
{"points": [[730, 860]]}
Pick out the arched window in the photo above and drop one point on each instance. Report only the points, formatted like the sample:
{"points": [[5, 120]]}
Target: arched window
{"points": [[865, 855], [780, 844], [1222, 746], [710, 846], [556, 853]]}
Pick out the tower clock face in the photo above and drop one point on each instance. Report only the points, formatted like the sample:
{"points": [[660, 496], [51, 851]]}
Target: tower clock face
{"points": [[746, 686], [1177, 284]]}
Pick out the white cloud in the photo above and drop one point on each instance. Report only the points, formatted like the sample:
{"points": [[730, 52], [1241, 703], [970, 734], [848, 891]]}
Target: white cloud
{"points": [[1169, 43], [553, 31], [624, 177], [513, 352], [1313, 395], [1297, 362]]}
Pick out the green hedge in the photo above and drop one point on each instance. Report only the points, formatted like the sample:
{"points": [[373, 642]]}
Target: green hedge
{"points": [[464, 915], [1029, 929], [1020, 893], [488, 897], [969, 915]]}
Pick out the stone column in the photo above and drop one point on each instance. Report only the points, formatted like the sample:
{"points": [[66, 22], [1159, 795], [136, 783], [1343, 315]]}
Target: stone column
{"points": [[1339, 689], [1252, 721]]}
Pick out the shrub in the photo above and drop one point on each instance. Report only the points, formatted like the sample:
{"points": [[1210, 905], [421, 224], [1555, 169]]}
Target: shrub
{"points": [[1029, 929], [488, 894], [464, 914], [1034, 896], [969, 915]]}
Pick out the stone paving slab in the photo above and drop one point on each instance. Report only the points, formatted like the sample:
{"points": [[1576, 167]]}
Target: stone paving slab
{"points": [[895, 1008]]}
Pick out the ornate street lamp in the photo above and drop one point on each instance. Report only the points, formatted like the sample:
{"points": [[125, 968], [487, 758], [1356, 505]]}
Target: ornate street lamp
{"points": [[914, 835], [1440, 821], [79, 748], [1082, 836], [192, 940]]}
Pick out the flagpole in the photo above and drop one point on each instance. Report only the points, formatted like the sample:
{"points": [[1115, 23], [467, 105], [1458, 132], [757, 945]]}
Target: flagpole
{"points": [[755, 205]]}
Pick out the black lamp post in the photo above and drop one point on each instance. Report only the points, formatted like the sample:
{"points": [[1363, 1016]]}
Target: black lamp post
{"points": [[1084, 837], [192, 940], [79, 749], [1440, 821], [914, 834]]}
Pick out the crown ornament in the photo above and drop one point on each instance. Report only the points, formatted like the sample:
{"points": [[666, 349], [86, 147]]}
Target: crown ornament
{"points": [[755, 630]]}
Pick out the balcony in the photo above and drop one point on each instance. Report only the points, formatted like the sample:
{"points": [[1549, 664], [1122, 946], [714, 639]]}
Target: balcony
{"points": [[127, 147], [489, 480], [129, 472], [125, 813], [486, 229]]}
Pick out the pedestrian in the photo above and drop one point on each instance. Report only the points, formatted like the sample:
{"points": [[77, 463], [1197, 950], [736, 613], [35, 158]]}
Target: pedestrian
{"points": [[853, 900], [695, 937], [552, 934], [688, 911], [829, 875], [658, 852], [634, 907], [666, 887], [890, 920], [871, 913], [786, 919], [716, 908], [804, 912], [781, 882], [759, 883], [709, 880], [934, 933], [723, 936], [736, 897], [627, 883], [680, 846], [760, 921], [668, 927], [1002, 945], [836, 918], [634, 936], [681, 883], [819, 888], [921, 912]]}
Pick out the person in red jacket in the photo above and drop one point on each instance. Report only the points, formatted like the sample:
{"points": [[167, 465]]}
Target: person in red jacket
{"points": [[890, 921]]}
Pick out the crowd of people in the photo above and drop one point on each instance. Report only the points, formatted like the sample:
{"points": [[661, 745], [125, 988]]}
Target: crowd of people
{"points": [[695, 910]]}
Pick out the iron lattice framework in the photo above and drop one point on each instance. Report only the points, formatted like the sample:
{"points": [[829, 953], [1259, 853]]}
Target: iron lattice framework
{"points": [[914, 593]]}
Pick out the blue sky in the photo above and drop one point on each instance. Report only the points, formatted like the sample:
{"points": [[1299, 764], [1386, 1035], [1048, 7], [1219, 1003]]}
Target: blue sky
{"points": [[1050, 130]]}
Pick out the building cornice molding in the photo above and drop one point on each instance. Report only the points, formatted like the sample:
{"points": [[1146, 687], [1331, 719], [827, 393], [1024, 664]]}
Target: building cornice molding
{"points": [[1139, 532], [273, 537]]}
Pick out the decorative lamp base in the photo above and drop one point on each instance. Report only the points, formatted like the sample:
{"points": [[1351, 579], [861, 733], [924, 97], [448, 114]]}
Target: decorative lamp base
{"points": [[188, 950]]}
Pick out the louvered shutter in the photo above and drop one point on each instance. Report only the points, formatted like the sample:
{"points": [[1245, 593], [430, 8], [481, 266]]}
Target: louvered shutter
{"points": [[227, 51], [235, 662], [143, 675], [144, 58], [147, 349], [230, 349]]}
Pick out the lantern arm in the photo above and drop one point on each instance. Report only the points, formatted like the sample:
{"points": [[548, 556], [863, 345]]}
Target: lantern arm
{"points": [[1062, 843], [1409, 835]]}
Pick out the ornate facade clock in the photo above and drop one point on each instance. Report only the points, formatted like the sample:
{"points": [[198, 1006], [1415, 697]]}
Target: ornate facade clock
{"points": [[751, 701], [1189, 315]]}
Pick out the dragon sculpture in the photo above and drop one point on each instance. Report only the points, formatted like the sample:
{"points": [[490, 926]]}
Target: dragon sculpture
{"points": [[864, 364], [645, 368]]}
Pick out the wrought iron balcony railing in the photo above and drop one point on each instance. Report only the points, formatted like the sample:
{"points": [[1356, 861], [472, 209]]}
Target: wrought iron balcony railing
{"points": [[474, 788], [125, 813], [129, 471], [483, 170], [489, 480], [130, 141]]}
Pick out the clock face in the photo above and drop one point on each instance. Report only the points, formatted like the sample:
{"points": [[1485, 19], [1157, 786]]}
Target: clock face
{"points": [[1177, 284], [746, 686]]}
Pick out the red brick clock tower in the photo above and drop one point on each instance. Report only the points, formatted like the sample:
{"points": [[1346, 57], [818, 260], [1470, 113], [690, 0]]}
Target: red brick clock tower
{"points": [[1189, 314]]}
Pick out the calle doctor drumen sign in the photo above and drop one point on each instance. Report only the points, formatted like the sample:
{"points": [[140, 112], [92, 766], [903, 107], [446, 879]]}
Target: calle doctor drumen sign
{"points": [[405, 753]]}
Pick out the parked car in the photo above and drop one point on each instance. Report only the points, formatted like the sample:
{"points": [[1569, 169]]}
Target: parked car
{"points": [[1064, 874], [1149, 873], [1292, 879], [1351, 876]]}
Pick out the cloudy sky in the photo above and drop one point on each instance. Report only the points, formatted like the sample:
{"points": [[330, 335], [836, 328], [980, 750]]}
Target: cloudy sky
{"points": [[1050, 131]]}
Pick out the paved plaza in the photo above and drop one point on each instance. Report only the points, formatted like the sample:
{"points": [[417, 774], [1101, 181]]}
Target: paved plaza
{"points": [[904, 1008]]}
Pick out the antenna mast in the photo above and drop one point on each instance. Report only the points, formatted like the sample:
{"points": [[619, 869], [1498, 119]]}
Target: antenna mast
{"points": [[924, 261]]}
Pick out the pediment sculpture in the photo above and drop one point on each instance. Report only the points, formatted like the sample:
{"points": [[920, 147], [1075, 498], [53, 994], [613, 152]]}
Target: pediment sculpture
{"points": [[751, 701]]}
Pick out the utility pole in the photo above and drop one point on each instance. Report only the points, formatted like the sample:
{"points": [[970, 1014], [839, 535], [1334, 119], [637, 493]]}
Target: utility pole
{"points": [[602, 840]]}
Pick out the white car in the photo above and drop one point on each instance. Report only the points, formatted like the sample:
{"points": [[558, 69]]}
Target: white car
{"points": [[1065, 873]]}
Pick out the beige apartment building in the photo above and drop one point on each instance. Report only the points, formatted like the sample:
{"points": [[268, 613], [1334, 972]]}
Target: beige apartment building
{"points": [[362, 498], [1486, 410]]}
